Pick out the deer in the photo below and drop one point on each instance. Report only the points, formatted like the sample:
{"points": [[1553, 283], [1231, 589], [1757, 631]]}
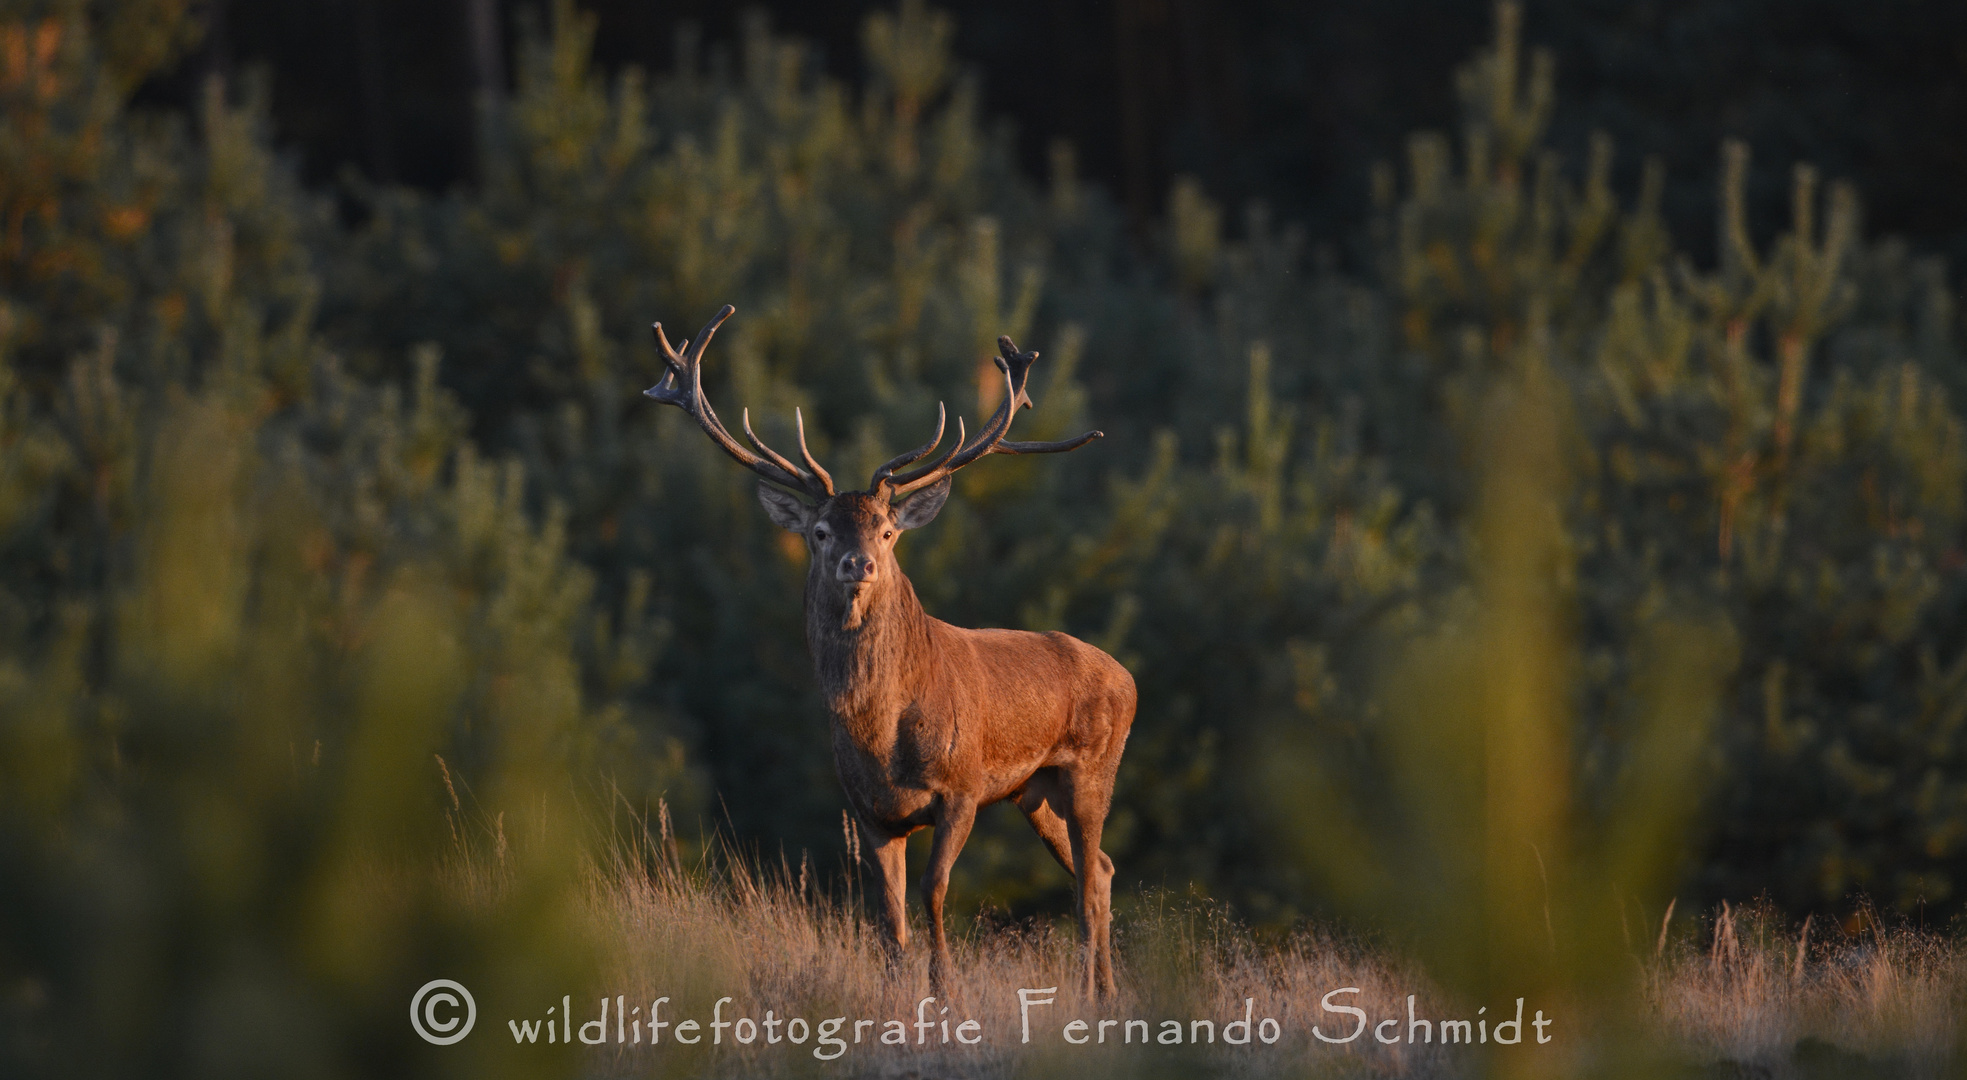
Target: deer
{"points": [[932, 722]]}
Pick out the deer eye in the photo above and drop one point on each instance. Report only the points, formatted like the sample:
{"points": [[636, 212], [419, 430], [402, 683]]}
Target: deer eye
{"points": [[889, 535], [819, 534]]}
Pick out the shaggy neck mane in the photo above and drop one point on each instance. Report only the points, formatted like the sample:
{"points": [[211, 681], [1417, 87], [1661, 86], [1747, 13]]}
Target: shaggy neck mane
{"points": [[869, 656]]}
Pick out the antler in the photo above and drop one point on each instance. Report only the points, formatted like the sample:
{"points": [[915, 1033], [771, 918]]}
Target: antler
{"points": [[1016, 367], [682, 386]]}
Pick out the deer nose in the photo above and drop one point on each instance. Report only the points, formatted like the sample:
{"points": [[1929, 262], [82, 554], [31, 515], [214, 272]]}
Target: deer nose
{"points": [[856, 566]]}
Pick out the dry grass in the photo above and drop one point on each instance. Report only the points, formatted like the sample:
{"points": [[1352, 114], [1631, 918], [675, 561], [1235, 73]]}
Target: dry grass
{"points": [[1754, 991], [1729, 997], [1737, 993], [770, 943]]}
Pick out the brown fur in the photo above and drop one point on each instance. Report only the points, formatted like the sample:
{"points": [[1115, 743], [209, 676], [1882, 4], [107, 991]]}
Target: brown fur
{"points": [[932, 722]]}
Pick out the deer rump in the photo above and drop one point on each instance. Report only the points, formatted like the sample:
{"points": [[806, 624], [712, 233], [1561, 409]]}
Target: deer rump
{"points": [[932, 722]]}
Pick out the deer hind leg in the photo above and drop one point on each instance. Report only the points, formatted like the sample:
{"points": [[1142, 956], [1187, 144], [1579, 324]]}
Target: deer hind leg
{"points": [[891, 857], [1039, 803], [1085, 821], [1050, 828], [953, 822]]}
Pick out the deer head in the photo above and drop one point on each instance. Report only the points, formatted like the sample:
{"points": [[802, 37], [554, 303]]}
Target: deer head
{"points": [[851, 535]]}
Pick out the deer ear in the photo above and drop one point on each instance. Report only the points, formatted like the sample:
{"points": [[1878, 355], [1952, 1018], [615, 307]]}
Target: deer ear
{"points": [[787, 511], [921, 508]]}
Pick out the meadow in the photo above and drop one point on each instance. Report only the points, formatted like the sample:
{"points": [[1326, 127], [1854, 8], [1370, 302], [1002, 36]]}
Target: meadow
{"points": [[1724, 993]]}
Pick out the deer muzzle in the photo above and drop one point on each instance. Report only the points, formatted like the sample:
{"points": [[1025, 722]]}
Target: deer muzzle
{"points": [[856, 568]]}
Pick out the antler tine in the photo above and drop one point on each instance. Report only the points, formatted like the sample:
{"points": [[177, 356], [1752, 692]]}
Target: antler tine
{"points": [[771, 455], [961, 455], [927, 474], [1058, 447], [826, 480], [671, 359], [693, 348], [1015, 364], [682, 386], [685, 367], [882, 474], [1008, 355], [1016, 367]]}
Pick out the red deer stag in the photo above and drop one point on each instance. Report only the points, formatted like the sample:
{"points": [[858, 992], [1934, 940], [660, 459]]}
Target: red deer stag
{"points": [[932, 722]]}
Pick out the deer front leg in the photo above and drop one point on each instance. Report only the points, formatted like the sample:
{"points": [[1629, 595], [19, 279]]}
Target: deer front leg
{"points": [[953, 821], [891, 856]]}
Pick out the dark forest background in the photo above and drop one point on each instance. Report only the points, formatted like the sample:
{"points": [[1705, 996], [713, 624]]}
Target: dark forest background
{"points": [[1280, 101]]}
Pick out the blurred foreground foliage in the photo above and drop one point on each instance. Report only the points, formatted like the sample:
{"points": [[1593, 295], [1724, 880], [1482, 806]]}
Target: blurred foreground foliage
{"points": [[1530, 536], [245, 597]]}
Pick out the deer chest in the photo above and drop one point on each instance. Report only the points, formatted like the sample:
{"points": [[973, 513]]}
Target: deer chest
{"points": [[892, 770]]}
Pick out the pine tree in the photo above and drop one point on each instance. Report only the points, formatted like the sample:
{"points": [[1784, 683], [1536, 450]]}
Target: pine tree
{"points": [[252, 606]]}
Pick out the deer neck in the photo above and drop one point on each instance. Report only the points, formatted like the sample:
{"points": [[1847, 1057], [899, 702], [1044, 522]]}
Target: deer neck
{"points": [[867, 652]]}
